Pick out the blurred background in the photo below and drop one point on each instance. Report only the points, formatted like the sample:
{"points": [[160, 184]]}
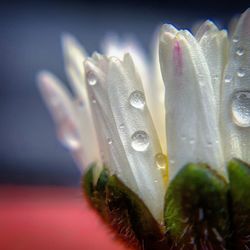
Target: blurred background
{"points": [[30, 41], [30, 154]]}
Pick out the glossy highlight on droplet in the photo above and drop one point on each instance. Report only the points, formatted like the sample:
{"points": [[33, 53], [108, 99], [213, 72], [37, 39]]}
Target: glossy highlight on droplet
{"points": [[137, 99], [140, 141], [241, 108]]}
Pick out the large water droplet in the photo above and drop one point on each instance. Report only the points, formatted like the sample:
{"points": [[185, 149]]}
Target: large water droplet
{"points": [[161, 160], [91, 78], [140, 141], [137, 99], [241, 108], [68, 136]]}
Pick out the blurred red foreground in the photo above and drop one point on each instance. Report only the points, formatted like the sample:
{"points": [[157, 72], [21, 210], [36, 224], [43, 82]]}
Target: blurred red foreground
{"points": [[44, 218]]}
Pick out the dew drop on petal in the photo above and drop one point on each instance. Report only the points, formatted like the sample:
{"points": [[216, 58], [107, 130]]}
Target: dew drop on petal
{"points": [[91, 78], [191, 141], [161, 160], [121, 126], [110, 141], [172, 161], [140, 140], [240, 72], [241, 108], [137, 99], [235, 39], [240, 51], [228, 79]]}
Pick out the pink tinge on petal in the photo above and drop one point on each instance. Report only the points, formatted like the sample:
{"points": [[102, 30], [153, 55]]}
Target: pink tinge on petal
{"points": [[177, 58]]}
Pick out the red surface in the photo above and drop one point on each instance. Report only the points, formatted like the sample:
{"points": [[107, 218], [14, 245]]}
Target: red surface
{"points": [[49, 219]]}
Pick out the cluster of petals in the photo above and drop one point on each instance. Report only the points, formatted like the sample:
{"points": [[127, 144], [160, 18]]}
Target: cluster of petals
{"points": [[145, 120]]}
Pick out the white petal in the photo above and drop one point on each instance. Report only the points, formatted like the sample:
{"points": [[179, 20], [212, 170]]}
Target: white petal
{"points": [[74, 56], [235, 112], [192, 131], [112, 149], [214, 45], [61, 106], [207, 26], [122, 82]]}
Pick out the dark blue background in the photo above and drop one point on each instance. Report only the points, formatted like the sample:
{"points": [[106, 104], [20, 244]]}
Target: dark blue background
{"points": [[30, 41]]}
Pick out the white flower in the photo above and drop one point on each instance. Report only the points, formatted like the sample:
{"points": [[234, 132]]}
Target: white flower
{"points": [[117, 114]]}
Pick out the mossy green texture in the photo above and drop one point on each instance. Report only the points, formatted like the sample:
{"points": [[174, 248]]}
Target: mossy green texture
{"points": [[124, 205], [123, 211], [202, 210], [239, 181], [196, 209]]}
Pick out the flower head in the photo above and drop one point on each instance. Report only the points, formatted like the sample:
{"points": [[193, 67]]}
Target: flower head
{"points": [[143, 128]]}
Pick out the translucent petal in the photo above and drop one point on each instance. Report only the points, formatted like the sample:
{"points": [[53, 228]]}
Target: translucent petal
{"points": [[207, 26], [214, 45], [192, 131], [137, 124], [74, 56], [111, 147], [62, 108], [235, 105]]}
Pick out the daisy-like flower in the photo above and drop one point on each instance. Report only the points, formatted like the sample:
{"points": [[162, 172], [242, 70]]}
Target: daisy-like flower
{"points": [[159, 147]]}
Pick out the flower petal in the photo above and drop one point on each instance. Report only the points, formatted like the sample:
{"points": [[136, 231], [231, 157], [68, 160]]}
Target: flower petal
{"points": [[235, 103], [192, 131], [138, 135], [74, 56], [207, 26], [214, 45], [112, 149], [64, 113]]}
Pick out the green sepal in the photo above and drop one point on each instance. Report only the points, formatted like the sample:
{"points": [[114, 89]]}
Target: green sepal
{"points": [[123, 211], [131, 218], [239, 177], [87, 183], [195, 213]]}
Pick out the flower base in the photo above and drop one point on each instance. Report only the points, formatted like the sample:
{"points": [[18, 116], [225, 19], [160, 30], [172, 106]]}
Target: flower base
{"points": [[202, 210]]}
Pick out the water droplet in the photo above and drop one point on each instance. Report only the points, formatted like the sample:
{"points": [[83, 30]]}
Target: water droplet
{"points": [[209, 144], [122, 126], [140, 141], [228, 79], [172, 161], [183, 137], [235, 39], [91, 78], [161, 160], [240, 51], [137, 99], [110, 141], [191, 141], [241, 108], [241, 72], [68, 136], [93, 100]]}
